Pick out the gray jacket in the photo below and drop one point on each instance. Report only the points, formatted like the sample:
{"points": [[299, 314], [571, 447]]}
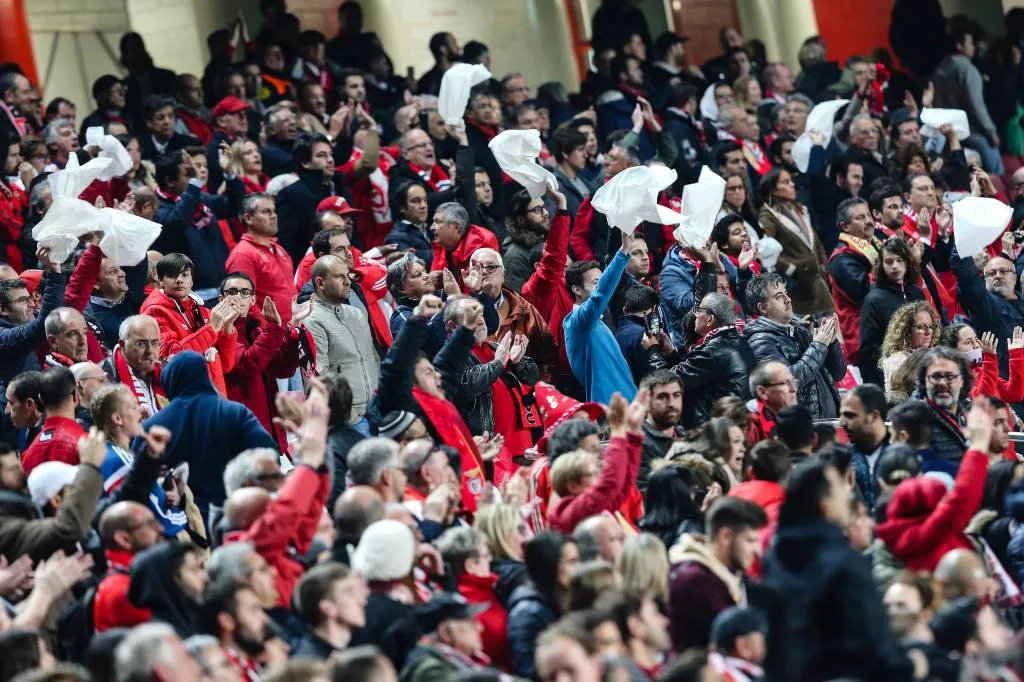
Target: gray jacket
{"points": [[817, 367], [959, 85], [343, 342]]}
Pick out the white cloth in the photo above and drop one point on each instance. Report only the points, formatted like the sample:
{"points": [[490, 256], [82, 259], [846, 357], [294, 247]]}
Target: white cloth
{"points": [[110, 148], [126, 237], [977, 222], [821, 119], [932, 119], [516, 152], [455, 86], [631, 197], [701, 202], [708, 105]]}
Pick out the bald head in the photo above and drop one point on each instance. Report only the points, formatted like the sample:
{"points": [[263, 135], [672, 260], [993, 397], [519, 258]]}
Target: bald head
{"points": [[357, 508], [244, 506], [961, 573], [121, 516]]}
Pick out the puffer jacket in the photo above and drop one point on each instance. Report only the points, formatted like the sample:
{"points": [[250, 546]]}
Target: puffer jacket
{"points": [[719, 367], [925, 521], [817, 367], [677, 284], [529, 614]]}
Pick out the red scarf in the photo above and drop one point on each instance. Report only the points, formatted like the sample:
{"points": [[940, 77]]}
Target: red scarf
{"points": [[437, 179], [126, 376], [490, 132], [203, 217], [253, 186], [452, 429], [755, 266], [710, 335], [246, 667]]}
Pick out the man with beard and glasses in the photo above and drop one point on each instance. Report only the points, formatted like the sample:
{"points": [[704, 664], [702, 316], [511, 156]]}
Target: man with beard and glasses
{"points": [[944, 381], [707, 574], [232, 613], [661, 428]]}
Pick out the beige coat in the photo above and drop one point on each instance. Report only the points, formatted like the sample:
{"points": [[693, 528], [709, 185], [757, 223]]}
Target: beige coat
{"points": [[802, 262]]}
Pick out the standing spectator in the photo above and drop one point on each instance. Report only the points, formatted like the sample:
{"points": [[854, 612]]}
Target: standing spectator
{"points": [[456, 239], [135, 362], [24, 408], [109, 93], [569, 148], [661, 427], [258, 255], [810, 555], [341, 334], [707, 574], [774, 387], [446, 52], [419, 163], [126, 529], [862, 416], [913, 326], [815, 357], [332, 602], [162, 135], [66, 336], [193, 117], [282, 129], [865, 149], [993, 303], [944, 380], [527, 223], [58, 440], [231, 123], [117, 294], [231, 612], [297, 203]]}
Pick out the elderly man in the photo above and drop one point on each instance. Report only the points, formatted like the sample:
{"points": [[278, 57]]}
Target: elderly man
{"points": [[452, 644], [864, 148], [774, 387], [516, 315], [282, 129], [599, 537], [61, 142], [734, 123], [849, 272], [161, 123], [66, 333], [375, 463], [815, 357], [153, 651], [341, 334], [718, 364], [994, 303], [89, 378], [135, 362], [126, 529], [455, 239], [16, 93], [419, 164]]}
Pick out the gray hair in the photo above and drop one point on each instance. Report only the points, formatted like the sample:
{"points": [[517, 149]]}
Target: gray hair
{"points": [[721, 307], [860, 118], [628, 151], [271, 118], [57, 318], [802, 99], [53, 128], [37, 197], [399, 270], [454, 212], [761, 375], [458, 544], [196, 644], [727, 116], [133, 322], [369, 458], [757, 290], [242, 470], [248, 206], [141, 650], [485, 251], [844, 208], [453, 309], [228, 562]]}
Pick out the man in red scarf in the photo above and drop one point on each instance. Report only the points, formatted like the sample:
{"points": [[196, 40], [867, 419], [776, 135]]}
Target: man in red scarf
{"points": [[455, 239], [135, 362], [419, 164]]}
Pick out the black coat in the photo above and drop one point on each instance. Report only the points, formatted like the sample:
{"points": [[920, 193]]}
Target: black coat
{"points": [[391, 626], [484, 158], [147, 146], [713, 370], [879, 305], [463, 190], [277, 158], [685, 130], [834, 614], [817, 367], [409, 236], [296, 212], [873, 168]]}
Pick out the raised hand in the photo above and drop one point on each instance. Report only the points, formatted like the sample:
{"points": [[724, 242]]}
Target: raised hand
{"points": [[15, 577], [988, 342], [270, 311], [157, 439], [488, 445], [980, 423], [459, 133], [747, 255], [473, 280], [558, 198], [1017, 341], [300, 311], [944, 219], [713, 493], [817, 138], [428, 306], [43, 254], [224, 157], [448, 282], [637, 411], [60, 573], [827, 330], [312, 432], [471, 315], [638, 118], [220, 315]]}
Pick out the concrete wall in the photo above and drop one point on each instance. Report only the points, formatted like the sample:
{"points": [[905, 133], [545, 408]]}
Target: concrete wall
{"points": [[782, 24]]}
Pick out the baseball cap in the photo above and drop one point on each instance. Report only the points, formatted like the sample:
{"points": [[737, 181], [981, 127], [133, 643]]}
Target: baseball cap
{"points": [[337, 205], [445, 606], [733, 623], [48, 479], [229, 105]]}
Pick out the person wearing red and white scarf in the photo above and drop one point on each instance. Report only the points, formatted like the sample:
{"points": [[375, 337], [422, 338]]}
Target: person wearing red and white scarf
{"points": [[419, 164]]}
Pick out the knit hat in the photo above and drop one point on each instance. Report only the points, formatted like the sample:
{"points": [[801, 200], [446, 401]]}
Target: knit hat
{"points": [[556, 407], [48, 479], [31, 279], [394, 424], [385, 552]]}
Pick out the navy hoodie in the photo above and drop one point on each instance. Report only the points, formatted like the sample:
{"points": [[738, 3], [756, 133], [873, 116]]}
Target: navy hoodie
{"points": [[207, 431]]}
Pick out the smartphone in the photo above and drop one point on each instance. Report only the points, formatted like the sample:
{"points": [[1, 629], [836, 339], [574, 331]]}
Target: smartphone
{"points": [[654, 324]]}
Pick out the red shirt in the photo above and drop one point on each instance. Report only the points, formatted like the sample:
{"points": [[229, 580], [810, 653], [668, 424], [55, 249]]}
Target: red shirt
{"points": [[270, 268], [57, 442], [112, 608]]}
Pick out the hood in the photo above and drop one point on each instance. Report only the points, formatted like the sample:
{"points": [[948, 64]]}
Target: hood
{"points": [[694, 549], [186, 375], [910, 505], [797, 547], [154, 586]]}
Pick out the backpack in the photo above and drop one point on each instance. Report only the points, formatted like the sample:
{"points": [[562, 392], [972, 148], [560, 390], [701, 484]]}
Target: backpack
{"points": [[75, 626]]}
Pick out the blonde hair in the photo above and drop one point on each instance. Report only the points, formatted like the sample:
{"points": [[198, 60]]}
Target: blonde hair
{"points": [[498, 522], [569, 468], [238, 155], [643, 566], [897, 334], [739, 91]]}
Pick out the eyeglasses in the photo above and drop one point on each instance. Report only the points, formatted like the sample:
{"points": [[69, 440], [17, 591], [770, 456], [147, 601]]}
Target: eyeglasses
{"points": [[784, 382], [489, 269], [701, 309], [538, 210], [922, 328], [244, 293], [946, 378], [142, 344], [1000, 272], [421, 145], [270, 476]]}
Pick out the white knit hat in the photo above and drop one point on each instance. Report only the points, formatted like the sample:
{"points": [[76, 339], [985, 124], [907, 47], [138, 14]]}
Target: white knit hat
{"points": [[385, 552], [48, 479]]}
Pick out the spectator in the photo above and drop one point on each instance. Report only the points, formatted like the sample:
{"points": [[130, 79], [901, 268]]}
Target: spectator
{"points": [[126, 529], [296, 204], [568, 146], [506, 535], [169, 579], [944, 381], [230, 123], [231, 612], [135, 362], [116, 296], [862, 415], [25, 408], [259, 256], [282, 129], [641, 625], [151, 651], [644, 352], [109, 94], [738, 638], [661, 427], [332, 602], [161, 123], [66, 333], [58, 439], [456, 240]]}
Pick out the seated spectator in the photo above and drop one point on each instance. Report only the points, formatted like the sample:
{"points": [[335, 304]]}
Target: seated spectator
{"points": [[135, 362], [408, 280], [66, 334], [862, 416], [419, 164], [641, 625], [282, 129], [342, 436], [231, 612], [151, 650], [186, 324], [661, 428], [568, 147], [332, 602], [58, 439], [452, 639], [645, 352], [162, 136], [109, 94], [456, 240], [334, 220], [945, 381], [297, 203], [775, 388], [795, 428], [765, 472]]}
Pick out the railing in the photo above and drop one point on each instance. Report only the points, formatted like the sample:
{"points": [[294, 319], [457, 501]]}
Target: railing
{"points": [[1015, 436]]}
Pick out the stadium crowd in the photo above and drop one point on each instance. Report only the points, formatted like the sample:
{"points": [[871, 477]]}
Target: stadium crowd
{"points": [[368, 410]]}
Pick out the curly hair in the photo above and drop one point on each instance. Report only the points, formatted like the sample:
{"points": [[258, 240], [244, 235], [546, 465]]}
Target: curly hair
{"points": [[897, 246], [904, 156], [897, 335]]}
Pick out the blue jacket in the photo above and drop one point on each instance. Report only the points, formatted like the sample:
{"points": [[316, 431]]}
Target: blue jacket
{"points": [[109, 316], [408, 236], [529, 614], [207, 431], [277, 159], [678, 275], [630, 337], [18, 341], [593, 352]]}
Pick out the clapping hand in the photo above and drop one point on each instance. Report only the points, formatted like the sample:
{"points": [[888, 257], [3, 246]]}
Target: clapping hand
{"points": [[504, 349], [300, 311], [988, 342], [224, 157], [1017, 341], [488, 445], [270, 311], [518, 351], [747, 255]]}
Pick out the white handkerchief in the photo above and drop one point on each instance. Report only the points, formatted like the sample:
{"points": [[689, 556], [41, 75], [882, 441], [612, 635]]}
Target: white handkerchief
{"points": [[931, 119], [701, 202], [455, 86], [516, 152], [110, 148], [977, 222], [822, 119], [708, 105], [631, 197]]}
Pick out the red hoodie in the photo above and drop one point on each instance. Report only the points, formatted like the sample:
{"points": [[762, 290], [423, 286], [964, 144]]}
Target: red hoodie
{"points": [[494, 621], [457, 259], [111, 607], [621, 465]]}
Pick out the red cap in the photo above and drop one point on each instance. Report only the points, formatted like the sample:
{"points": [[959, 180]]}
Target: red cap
{"points": [[229, 105], [31, 279], [555, 408], [335, 205]]}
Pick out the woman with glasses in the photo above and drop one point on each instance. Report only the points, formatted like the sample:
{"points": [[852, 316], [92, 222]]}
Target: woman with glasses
{"points": [[914, 325], [897, 270]]}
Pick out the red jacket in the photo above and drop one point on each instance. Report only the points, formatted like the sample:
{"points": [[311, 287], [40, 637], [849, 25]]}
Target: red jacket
{"points": [[12, 219], [457, 260], [767, 495], [988, 382], [270, 268], [78, 293], [197, 126], [56, 442], [264, 353], [546, 287], [186, 326], [621, 465], [112, 608], [580, 238], [289, 522], [494, 621], [925, 521], [762, 425]]}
